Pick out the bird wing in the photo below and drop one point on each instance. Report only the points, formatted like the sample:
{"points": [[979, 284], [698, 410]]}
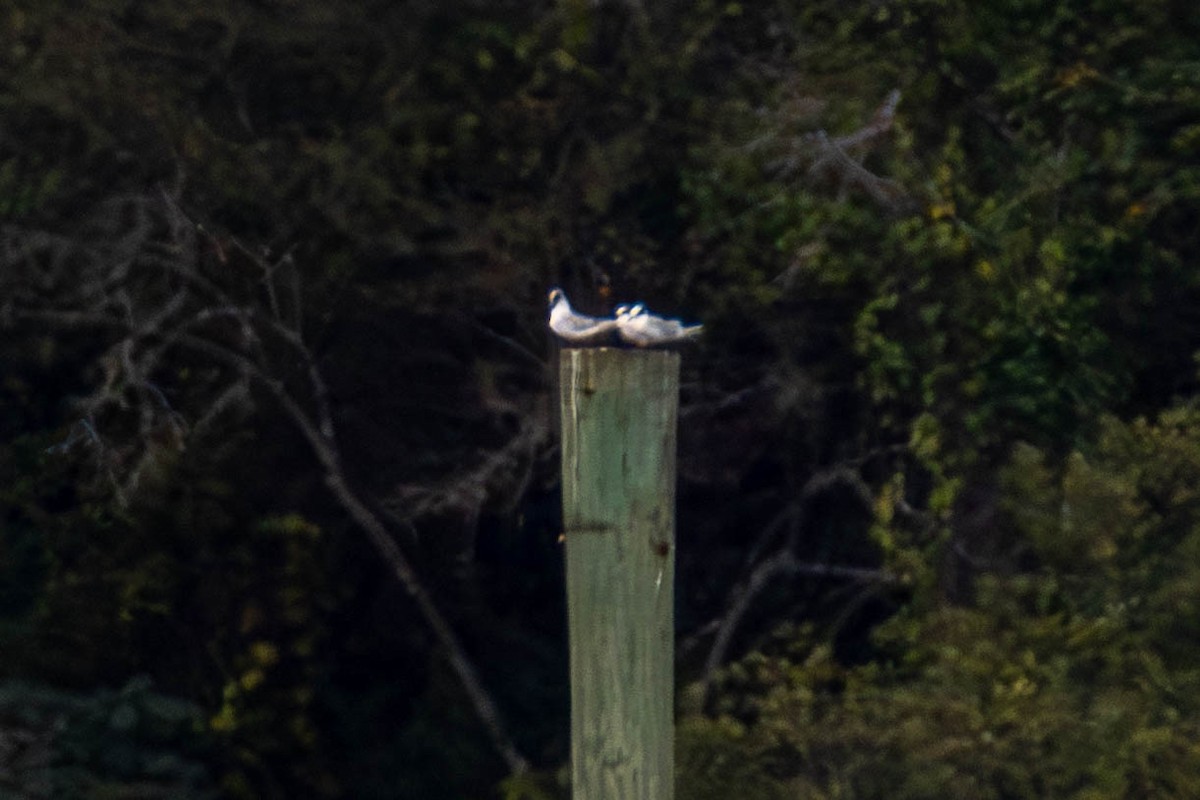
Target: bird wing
{"points": [[662, 329], [648, 330], [579, 328], [577, 323]]}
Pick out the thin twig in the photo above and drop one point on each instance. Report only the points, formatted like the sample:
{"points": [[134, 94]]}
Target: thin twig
{"points": [[784, 562], [318, 432]]}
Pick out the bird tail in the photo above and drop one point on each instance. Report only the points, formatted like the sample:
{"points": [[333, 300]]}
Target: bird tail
{"points": [[691, 332]]}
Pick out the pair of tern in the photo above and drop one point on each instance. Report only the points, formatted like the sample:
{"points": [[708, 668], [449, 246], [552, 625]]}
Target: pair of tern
{"points": [[633, 324]]}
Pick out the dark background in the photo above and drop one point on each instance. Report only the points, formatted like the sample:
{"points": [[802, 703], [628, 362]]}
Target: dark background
{"points": [[279, 495]]}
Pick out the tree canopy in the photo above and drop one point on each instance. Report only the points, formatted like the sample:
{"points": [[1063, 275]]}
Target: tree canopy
{"points": [[278, 449]]}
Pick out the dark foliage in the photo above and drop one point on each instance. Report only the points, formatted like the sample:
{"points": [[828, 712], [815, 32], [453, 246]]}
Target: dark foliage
{"points": [[277, 426]]}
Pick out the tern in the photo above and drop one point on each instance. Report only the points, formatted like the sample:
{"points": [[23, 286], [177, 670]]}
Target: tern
{"points": [[640, 328], [576, 328]]}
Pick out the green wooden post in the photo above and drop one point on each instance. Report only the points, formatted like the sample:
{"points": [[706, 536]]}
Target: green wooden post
{"points": [[619, 415]]}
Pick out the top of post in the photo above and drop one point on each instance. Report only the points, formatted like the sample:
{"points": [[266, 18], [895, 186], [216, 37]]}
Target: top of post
{"points": [[595, 369]]}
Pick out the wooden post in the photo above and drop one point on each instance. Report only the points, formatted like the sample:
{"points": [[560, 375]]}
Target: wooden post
{"points": [[619, 415]]}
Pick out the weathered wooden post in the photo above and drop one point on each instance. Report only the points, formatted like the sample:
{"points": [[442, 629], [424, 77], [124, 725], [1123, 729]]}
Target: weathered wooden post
{"points": [[619, 416]]}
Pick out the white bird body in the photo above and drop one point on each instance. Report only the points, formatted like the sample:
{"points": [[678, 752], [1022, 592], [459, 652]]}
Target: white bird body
{"points": [[643, 329], [576, 328]]}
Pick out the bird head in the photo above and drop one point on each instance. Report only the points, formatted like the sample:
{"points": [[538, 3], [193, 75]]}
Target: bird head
{"points": [[556, 295]]}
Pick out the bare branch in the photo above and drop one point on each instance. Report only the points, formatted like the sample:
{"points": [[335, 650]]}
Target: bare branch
{"points": [[881, 123], [783, 561], [819, 156], [152, 297], [782, 564]]}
